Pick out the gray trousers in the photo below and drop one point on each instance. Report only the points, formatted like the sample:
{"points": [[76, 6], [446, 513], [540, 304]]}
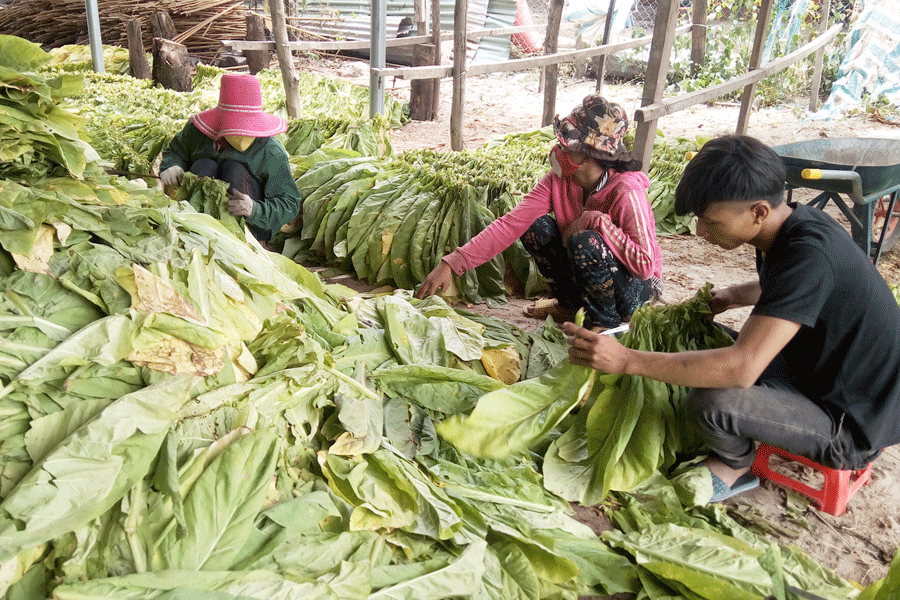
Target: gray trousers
{"points": [[731, 420]]}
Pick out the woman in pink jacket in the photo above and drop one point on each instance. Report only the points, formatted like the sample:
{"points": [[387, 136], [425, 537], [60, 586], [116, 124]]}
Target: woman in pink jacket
{"points": [[587, 224]]}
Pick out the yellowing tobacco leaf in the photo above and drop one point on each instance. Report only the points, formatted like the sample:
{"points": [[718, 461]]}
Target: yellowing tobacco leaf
{"points": [[502, 364], [38, 260]]}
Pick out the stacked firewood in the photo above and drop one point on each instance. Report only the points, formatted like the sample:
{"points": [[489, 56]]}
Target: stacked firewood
{"points": [[199, 24]]}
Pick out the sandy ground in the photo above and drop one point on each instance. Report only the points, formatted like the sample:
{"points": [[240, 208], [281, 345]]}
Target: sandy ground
{"points": [[857, 545]]}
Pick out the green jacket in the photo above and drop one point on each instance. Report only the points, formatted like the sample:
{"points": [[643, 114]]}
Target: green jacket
{"points": [[266, 159]]}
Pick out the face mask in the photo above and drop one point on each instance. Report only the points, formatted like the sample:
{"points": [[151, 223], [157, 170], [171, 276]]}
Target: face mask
{"points": [[561, 163], [239, 142]]}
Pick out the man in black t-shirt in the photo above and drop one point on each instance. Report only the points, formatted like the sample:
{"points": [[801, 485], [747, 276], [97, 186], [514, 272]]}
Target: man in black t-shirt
{"points": [[814, 370]]}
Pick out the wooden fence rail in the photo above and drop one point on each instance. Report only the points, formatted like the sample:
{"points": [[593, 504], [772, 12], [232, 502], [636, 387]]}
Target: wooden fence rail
{"points": [[661, 42]]}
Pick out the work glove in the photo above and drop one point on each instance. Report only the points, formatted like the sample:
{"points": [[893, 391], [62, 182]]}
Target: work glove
{"points": [[172, 175], [240, 204]]}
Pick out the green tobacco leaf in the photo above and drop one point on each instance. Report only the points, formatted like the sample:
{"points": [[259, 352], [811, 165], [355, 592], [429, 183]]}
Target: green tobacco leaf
{"points": [[510, 420], [631, 426], [459, 578], [443, 389], [887, 588], [706, 563], [222, 505], [91, 469], [196, 585], [363, 421]]}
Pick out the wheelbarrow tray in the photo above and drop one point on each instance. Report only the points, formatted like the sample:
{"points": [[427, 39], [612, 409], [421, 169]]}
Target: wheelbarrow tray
{"points": [[876, 160]]}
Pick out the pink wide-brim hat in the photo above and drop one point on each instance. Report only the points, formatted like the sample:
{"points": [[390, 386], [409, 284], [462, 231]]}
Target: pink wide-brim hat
{"points": [[239, 111]]}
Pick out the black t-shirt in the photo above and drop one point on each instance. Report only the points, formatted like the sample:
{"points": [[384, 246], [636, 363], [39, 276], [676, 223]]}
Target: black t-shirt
{"points": [[846, 355]]}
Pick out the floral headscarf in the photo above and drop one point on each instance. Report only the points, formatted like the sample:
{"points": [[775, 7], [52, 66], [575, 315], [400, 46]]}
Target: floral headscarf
{"points": [[595, 128]]}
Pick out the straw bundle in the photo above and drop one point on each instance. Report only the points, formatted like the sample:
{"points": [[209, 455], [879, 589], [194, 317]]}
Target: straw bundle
{"points": [[199, 24]]}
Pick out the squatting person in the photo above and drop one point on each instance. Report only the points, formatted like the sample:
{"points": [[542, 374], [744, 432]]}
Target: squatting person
{"points": [[814, 368], [587, 223], [235, 142]]}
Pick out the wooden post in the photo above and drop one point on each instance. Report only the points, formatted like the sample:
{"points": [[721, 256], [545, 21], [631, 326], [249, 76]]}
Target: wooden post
{"points": [[762, 27], [601, 60], [436, 40], [137, 58], [257, 60], [171, 65], [655, 81], [551, 43], [816, 81], [377, 56], [460, 12], [580, 63], [421, 91], [285, 59], [419, 13], [162, 26], [699, 29], [421, 102]]}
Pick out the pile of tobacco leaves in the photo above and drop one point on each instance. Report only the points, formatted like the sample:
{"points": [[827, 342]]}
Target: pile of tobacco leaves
{"points": [[188, 416]]}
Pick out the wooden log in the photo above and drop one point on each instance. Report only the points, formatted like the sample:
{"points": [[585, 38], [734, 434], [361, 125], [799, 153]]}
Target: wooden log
{"points": [[551, 72], [137, 58], [285, 59], [421, 91], [171, 65], [257, 60], [162, 25]]}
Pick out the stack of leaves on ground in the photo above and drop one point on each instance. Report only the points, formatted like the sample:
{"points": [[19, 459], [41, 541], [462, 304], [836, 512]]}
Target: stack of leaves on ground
{"points": [[390, 220]]}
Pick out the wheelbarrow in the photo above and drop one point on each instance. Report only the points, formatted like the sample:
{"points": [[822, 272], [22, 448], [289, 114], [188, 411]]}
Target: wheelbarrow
{"points": [[866, 170]]}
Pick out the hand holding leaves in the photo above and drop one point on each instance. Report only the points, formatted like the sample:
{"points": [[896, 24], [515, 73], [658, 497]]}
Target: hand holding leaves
{"points": [[172, 175], [240, 204]]}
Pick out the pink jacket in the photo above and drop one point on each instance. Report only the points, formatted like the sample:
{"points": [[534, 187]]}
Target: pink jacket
{"points": [[619, 211]]}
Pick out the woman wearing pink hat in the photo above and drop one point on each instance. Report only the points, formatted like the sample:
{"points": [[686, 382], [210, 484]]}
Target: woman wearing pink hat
{"points": [[587, 224], [235, 142]]}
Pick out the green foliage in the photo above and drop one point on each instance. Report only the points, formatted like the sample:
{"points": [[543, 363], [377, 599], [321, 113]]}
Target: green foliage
{"points": [[729, 44]]}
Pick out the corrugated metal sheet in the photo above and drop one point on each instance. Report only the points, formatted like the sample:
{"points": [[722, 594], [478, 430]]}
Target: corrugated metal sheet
{"points": [[500, 13], [351, 20]]}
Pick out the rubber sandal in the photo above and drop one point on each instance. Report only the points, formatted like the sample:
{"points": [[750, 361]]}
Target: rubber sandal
{"points": [[721, 491], [541, 308]]}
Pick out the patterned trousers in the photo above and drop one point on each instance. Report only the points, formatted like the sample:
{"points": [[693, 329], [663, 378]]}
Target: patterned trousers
{"points": [[585, 273]]}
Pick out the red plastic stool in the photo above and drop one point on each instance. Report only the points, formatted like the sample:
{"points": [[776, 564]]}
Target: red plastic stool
{"points": [[837, 490]]}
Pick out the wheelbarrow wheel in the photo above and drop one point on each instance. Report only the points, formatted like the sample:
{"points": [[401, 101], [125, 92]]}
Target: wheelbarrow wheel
{"points": [[880, 221]]}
